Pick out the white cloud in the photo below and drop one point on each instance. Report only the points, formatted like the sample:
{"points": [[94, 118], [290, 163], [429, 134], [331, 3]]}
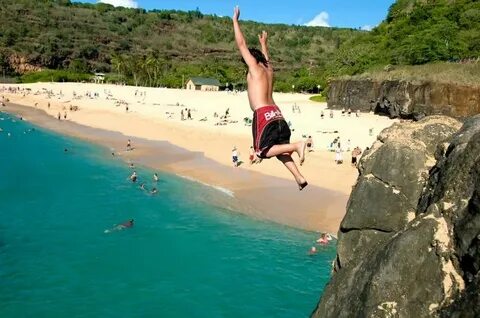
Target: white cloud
{"points": [[121, 3], [320, 20], [367, 28]]}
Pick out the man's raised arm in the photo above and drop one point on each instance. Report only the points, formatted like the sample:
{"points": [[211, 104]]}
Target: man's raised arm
{"points": [[263, 42], [240, 40]]}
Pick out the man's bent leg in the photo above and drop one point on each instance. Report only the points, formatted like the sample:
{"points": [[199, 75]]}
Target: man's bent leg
{"points": [[292, 167], [298, 147]]}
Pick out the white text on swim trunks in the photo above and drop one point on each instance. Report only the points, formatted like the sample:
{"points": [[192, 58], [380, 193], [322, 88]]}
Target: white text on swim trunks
{"points": [[272, 114]]}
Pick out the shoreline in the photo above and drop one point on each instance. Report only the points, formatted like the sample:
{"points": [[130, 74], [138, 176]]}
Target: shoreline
{"points": [[254, 194]]}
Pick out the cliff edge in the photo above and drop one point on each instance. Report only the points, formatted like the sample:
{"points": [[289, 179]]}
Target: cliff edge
{"points": [[405, 99], [409, 244]]}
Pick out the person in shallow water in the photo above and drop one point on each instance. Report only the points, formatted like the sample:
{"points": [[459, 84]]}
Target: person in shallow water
{"points": [[324, 239], [133, 177], [271, 134], [121, 226]]}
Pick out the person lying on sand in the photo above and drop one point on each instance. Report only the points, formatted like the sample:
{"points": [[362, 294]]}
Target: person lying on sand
{"points": [[271, 134]]}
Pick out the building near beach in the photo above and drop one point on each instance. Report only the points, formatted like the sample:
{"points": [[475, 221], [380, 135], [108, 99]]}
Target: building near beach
{"points": [[203, 84]]}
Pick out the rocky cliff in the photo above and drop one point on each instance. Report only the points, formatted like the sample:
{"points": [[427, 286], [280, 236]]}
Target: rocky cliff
{"points": [[405, 99], [20, 65], [409, 244]]}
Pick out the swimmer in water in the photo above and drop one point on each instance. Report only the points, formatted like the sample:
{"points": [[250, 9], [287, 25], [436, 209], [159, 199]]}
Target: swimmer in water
{"points": [[154, 191], [133, 177], [324, 239], [312, 251], [121, 226], [155, 177]]}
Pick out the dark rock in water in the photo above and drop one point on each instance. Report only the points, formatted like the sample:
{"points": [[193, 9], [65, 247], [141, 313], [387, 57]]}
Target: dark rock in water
{"points": [[408, 100], [409, 245]]}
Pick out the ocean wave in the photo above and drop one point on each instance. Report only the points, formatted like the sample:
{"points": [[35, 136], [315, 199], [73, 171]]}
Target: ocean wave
{"points": [[226, 191]]}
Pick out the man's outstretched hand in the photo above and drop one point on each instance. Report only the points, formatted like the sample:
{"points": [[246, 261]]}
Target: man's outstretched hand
{"points": [[263, 38], [236, 13]]}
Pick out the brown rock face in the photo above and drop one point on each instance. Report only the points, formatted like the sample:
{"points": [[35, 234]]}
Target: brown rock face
{"points": [[405, 99], [20, 65]]}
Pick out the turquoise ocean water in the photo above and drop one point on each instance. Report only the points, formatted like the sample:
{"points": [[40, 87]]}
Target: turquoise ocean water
{"points": [[184, 257]]}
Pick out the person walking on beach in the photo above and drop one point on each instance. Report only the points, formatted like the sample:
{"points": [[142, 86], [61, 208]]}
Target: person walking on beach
{"points": [[355, 153], [235, 156], [271, 134], [309, 142], [338, 155]]}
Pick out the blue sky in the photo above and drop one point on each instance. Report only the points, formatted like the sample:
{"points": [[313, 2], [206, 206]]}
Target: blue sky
{"points": [[336, 13]]}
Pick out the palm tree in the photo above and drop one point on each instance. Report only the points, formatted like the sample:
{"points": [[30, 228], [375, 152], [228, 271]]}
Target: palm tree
{"points": [[118, 63]]}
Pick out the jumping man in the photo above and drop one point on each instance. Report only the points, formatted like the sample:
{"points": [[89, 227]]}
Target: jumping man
{"points": [[271, 134]]}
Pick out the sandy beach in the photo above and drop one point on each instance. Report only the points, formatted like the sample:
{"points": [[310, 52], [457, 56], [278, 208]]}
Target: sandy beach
{"points": [[200, 148]]}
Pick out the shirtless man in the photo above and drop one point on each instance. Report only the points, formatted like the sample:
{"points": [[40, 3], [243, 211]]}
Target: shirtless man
{"points": [[271, 134]]}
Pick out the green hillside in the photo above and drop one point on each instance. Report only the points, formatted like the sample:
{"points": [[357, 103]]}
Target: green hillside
{"points": [[155, 47], [415, 32], [160, 48]]}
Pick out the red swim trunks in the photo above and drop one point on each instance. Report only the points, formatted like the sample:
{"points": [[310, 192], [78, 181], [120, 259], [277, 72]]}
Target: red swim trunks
{"points": [[269, 128]]}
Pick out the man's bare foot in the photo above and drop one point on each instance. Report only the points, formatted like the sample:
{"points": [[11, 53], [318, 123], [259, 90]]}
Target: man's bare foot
{"points": [[301, 152], [302, 185]]}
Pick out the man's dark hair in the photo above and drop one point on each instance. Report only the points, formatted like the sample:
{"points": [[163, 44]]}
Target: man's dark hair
{"points": [[258, 55]]}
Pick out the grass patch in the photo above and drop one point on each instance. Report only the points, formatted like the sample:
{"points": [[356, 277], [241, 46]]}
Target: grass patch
{"points": [[319, 98]]}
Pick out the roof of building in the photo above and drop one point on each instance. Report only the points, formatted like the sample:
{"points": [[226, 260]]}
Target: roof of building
{"points": [[205, 81]]}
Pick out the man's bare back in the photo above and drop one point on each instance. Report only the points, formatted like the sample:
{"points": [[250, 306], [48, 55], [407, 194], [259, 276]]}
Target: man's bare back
{"points": [[260, 86]]}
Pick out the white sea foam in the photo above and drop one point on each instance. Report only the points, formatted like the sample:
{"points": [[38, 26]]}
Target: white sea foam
{"points": [[218, 188]]}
